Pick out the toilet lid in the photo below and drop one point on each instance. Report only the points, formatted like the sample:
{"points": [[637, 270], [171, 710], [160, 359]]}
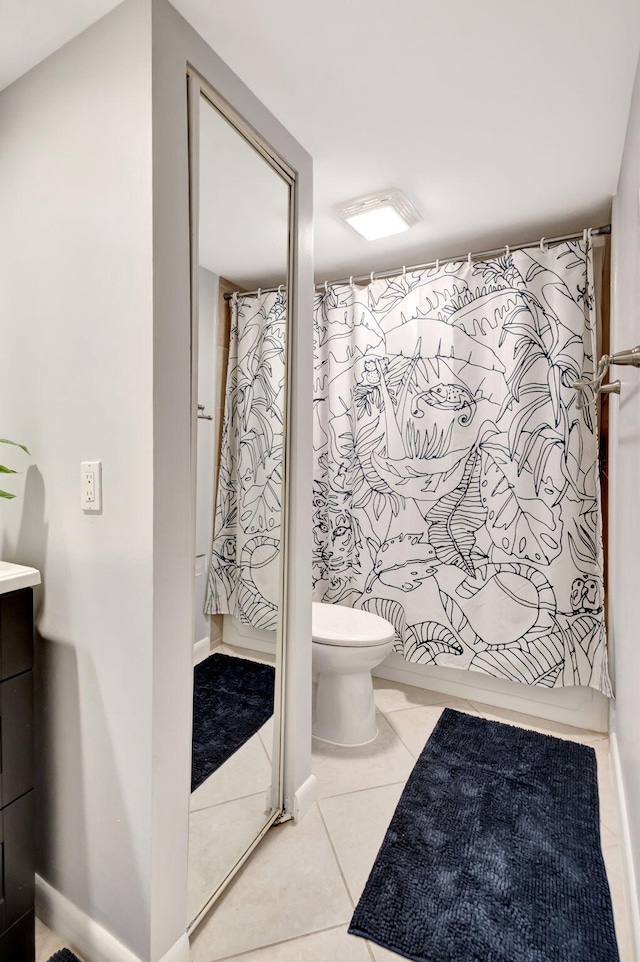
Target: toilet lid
{"points": [[348, 627]]}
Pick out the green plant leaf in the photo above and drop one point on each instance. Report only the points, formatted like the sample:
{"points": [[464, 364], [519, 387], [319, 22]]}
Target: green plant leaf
{"points": [[15, 444], [5, 470]]}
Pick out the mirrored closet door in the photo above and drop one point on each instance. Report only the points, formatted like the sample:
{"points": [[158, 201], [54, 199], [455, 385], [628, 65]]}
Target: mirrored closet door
{"points": [[241, 198]]}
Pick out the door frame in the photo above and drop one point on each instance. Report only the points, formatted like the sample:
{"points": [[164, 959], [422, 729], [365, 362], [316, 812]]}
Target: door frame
{"points": [[197, 90]]}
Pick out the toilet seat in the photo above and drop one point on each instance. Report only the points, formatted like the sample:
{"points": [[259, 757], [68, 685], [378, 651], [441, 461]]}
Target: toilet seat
{"points": [[348, 627]]}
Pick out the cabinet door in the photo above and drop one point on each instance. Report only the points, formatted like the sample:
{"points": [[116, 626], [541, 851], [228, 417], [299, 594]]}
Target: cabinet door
{"points": [[16, 632], [16, 737], [18, 943], [17, 881]]}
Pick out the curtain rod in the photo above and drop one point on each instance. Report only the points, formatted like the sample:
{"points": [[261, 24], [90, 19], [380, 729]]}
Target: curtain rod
{"points": [[593, 232]]}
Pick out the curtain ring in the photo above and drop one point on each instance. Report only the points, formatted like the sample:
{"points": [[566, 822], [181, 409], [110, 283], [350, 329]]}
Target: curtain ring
{"points": [[326, 287], [469, 258], [234, 298], [351, 281], [259, 292], [280, 288], [542, 247], [437, 263], [404, 272], [590, 234], [371, 278], [506, 250], [585, 236]]}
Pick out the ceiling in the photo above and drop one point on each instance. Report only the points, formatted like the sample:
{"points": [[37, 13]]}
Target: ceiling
{"points": [[501, 121]]}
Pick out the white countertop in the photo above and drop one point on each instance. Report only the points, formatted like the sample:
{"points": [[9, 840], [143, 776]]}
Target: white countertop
{"points": [[13, 577]]}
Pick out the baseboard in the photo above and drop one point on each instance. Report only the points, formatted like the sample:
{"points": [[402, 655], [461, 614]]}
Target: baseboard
{"points": [[305, 797], [201, 649], [627, 854], [85, 936], [580, 707], [237, 635]]}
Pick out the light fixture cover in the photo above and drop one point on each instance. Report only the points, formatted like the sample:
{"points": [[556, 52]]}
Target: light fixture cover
{"points": [[379, 215]]}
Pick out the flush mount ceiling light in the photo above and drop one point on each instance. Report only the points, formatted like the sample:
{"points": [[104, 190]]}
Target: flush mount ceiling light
{"points": [[379, 215]]}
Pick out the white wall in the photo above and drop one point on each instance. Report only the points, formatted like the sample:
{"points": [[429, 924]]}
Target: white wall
{"points": [[624, 475], [96, 365], [76, 384], [175, 44]]}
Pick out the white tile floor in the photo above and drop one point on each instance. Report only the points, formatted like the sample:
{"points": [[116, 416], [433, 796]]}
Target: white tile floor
{"points": [[228, 811], [47, 942], [294, 899]]}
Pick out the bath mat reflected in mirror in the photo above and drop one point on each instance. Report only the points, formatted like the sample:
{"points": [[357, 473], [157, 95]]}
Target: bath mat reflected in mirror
{"points": [[64, 955], [493, 853], [232, 699]]}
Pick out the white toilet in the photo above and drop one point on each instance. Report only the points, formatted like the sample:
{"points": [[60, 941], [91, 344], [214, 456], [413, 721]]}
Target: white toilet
{"points": [[347, 644]]}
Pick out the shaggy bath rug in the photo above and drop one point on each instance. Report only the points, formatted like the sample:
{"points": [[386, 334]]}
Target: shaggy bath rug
{"points": [[493, 853], [232, 699]]}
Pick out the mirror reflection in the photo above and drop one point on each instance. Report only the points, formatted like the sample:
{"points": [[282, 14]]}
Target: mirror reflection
{"points": [[243, 256]]}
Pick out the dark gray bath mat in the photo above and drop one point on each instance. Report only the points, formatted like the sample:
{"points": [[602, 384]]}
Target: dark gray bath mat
{"points": [[493, 853], [64, 955], [232, 699]]}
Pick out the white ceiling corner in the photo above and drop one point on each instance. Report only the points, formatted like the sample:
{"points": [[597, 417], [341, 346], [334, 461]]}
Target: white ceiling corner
{"points": [[499, 120]]}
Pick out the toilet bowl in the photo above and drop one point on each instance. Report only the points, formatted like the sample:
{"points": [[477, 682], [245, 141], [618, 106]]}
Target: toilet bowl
{"points": [[347, 644]]}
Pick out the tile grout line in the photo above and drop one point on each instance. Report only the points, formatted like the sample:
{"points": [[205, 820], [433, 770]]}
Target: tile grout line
{"points": [[357, 792], [271, 945], [368, 788], [239, 798], [264, 747], [392, 711], [315, 756], [370, 950], [353, 791], [402, 741], [335, 854]]}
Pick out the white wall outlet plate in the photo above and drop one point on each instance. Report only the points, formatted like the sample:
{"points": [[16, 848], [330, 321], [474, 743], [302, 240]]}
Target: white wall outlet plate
{"points": [[91, 486]]}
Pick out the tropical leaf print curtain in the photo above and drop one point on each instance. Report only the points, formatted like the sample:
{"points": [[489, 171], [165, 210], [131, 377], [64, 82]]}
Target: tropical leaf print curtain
{"points": [[456, 482], [244, 576]]}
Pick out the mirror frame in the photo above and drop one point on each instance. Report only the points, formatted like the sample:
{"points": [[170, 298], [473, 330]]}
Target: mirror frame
{"points": [[197, 90]]}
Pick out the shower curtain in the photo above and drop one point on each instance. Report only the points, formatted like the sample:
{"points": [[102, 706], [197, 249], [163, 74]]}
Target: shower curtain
{"points": [[244, 576], [455, 481]]}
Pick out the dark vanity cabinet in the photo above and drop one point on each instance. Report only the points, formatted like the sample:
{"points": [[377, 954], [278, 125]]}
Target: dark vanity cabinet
{"points": [[16, 773]]}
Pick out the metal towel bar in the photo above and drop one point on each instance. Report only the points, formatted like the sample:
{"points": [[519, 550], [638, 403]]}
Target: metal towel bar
{"points": [[202, 415], [629, 357]]}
